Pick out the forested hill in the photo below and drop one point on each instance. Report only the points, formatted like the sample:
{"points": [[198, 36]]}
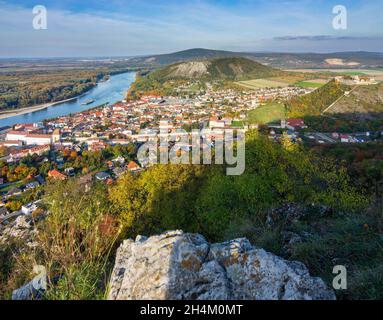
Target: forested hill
{"points": [[225, 70], [314, 103], [231, 68], [191, 54], [363, 102]]}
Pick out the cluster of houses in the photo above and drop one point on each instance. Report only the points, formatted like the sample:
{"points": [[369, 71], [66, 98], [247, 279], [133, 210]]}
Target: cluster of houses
{"points": [[29, 139], [122, 123], [116, 166], [295, 128], [357, 137], [245, 98], [139, 120]]}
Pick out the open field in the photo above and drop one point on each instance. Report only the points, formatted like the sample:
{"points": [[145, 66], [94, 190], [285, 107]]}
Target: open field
{"points": [[354, 73], [301, 80], [262, 83], [315, 83], [292, 78], [307, 84], [270, 112]]}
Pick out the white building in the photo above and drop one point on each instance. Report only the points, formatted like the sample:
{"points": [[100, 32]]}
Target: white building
{"points": [[38, 139], [16, 135], [29, 138], [29, 208], [215, 123]]}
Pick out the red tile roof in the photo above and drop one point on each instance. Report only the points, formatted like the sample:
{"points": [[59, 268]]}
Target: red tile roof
{"points": [[17, 132], [40, 136], [133, 166], [296, 122], [56, 175]]}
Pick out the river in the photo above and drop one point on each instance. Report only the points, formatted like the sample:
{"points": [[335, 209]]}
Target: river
{"points": [[110, 92]]}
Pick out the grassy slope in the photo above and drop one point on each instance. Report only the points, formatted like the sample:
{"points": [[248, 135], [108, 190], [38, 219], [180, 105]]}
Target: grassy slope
{"points": [[240, 69], [300, 79], [270, 112], [309, 84]]}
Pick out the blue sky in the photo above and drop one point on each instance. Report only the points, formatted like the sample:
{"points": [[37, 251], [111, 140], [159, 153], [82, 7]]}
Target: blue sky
{"points": [[140, 27]]}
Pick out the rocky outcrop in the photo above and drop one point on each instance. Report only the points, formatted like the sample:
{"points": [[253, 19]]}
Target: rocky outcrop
{"points": [[35, 289], [177, 265], [22, 230], [190, 69]]}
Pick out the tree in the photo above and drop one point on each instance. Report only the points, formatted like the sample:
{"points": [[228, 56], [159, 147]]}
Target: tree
{"points": [[159, 199], [287, 143], [44, 168], [3, 151], [73, 154], [14, 205], [204, 199]]}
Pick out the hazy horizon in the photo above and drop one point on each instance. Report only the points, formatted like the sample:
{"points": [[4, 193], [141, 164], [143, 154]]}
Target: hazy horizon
{"points": [[165, 53]]}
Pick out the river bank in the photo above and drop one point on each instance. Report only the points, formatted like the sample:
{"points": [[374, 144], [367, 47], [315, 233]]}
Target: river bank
{"points": [[17, 112]]}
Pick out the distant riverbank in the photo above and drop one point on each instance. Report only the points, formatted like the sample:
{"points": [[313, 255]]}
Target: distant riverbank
{"points": [[16, 112]]}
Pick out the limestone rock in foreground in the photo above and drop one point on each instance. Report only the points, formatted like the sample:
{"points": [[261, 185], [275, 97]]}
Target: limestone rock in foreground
{"points": [[177, 265]]}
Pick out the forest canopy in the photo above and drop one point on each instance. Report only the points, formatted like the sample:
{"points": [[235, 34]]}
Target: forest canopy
{"points": [[20, 90]]}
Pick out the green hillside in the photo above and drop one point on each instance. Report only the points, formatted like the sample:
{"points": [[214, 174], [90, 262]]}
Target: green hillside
{"points": [[271, 112], [363, 103], [314, 103], [219, 69], [191, 54], [357, 103], [233, 68], [240, 69]]}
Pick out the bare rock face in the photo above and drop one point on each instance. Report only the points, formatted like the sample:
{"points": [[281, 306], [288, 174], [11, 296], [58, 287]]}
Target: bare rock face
{"points": [[191, 69], [177, 265]]}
